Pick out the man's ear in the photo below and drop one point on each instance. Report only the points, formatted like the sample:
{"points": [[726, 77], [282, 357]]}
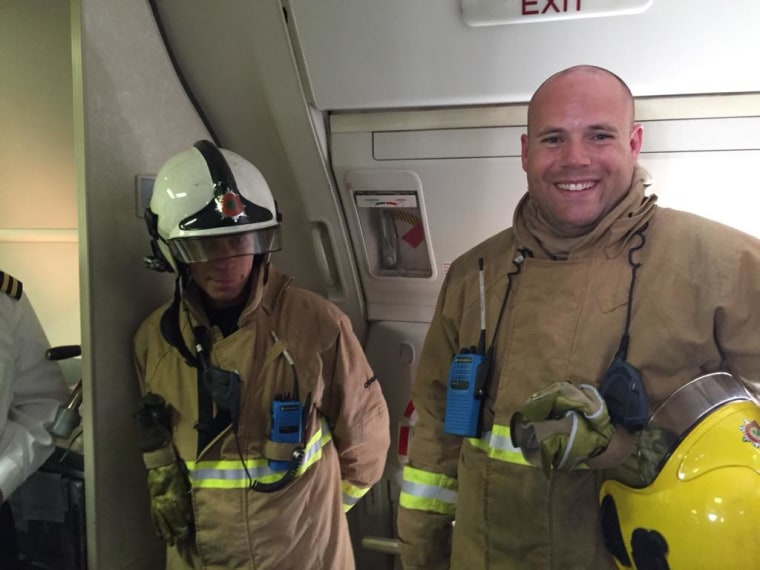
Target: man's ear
{"points": [[636, 140], [524, 151]]}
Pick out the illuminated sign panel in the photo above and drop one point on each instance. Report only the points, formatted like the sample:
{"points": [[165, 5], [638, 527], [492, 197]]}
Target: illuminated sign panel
{"points": [[500, 12]]}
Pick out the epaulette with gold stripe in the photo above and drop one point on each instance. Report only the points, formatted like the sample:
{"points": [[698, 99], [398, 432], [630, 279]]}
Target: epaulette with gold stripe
{"points": [[10, 285]]}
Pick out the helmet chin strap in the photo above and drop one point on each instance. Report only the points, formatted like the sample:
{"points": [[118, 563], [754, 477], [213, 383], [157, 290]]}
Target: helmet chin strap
{"points": [[157, 261], [258, 278]]}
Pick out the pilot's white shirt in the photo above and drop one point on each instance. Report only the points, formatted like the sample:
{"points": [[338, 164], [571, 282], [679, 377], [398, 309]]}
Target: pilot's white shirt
{"points": [[31, 389]]}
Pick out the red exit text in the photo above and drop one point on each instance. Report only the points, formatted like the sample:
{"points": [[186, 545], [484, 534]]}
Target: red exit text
{"points": [[533, 7]]}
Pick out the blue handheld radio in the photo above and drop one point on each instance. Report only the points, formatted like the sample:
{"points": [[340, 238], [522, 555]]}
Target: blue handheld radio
{"points": [[287, 426], [463, 398], [289, 415], [467, 381]]}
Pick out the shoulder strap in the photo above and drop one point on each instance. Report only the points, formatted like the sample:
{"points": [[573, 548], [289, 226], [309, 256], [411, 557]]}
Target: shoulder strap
{"points": [[208, 425], [171, 332], [11, 286]]}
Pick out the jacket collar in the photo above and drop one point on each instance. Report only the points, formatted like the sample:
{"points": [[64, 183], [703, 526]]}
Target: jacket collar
{"points": [[612, 233], [273, 286]]}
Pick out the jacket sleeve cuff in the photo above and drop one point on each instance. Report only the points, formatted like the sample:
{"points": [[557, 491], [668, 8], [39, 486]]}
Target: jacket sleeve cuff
{"points": [[159, 457], [351, 494]]}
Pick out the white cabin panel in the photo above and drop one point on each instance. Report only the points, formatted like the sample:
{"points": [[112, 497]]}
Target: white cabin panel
{"points": [[719, 185], [465, 201], [394, 349], [366, 54]]}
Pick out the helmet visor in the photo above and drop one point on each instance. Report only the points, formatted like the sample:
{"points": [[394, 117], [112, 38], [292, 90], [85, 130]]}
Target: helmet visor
{"points": [[197, 249], [679, 413]]}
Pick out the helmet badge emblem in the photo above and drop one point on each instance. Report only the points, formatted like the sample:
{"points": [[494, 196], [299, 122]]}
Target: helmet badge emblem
{"points": [[229, 205], [751, 431]]}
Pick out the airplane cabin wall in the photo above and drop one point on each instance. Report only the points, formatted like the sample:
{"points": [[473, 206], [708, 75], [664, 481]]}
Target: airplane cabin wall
{"points": [[131, 114], [400, 54], [38, 207]]}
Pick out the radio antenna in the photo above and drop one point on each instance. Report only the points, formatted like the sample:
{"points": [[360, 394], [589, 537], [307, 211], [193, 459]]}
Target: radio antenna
{"points": [[481, 280]]}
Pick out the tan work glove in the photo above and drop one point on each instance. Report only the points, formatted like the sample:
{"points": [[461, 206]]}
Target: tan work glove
{"points": [[651, 447], [171, 506], [562, 426]]}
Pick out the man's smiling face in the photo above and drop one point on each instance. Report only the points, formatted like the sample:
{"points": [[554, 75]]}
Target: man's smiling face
{"points": [[581, 148]]}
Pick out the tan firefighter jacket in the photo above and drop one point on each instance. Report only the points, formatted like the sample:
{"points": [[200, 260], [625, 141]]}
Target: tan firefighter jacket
{"points": [[302, 526], [695, 309]]}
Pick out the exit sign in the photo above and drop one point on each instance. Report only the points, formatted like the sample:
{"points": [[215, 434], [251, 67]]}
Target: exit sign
{"points": [[499, 12]]}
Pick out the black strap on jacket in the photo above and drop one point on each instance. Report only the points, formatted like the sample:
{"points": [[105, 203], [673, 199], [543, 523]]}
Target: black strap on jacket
{"points": [[208, 426]]}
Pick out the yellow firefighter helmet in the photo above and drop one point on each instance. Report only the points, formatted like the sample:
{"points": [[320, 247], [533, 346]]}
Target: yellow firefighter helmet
{"points": [[699, 502]]}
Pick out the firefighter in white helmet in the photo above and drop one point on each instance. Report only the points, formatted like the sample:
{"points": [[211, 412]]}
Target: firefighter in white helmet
{"points": [[261, 420]]}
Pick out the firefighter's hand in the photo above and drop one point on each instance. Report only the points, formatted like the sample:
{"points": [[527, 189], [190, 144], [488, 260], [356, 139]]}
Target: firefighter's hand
{"points": [[652, 446], [170, 502], [562, 426]]}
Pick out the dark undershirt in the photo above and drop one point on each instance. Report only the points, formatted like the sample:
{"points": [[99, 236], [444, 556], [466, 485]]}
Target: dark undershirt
{"points": [[227, 320]]}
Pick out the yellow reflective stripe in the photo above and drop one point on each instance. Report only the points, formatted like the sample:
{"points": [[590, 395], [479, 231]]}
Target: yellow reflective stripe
{"points": [[231, 473], [225, 474], [351, 494], [497, 443], [427, 491], [313, 451]]}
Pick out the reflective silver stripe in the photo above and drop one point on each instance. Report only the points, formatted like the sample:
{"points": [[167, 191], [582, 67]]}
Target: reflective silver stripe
{"points": [[257, 468], [497, 443], [570, 441], [351, 494], [349, 500], [432, 492], [500, 442], [231, 474], [318, 441]]}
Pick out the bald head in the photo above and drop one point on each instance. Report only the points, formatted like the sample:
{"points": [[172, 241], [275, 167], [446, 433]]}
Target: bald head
{"points": [[561, 79]]}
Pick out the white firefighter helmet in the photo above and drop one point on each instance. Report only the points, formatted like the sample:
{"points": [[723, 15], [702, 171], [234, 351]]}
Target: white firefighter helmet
{"points": [[210, 203]]}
